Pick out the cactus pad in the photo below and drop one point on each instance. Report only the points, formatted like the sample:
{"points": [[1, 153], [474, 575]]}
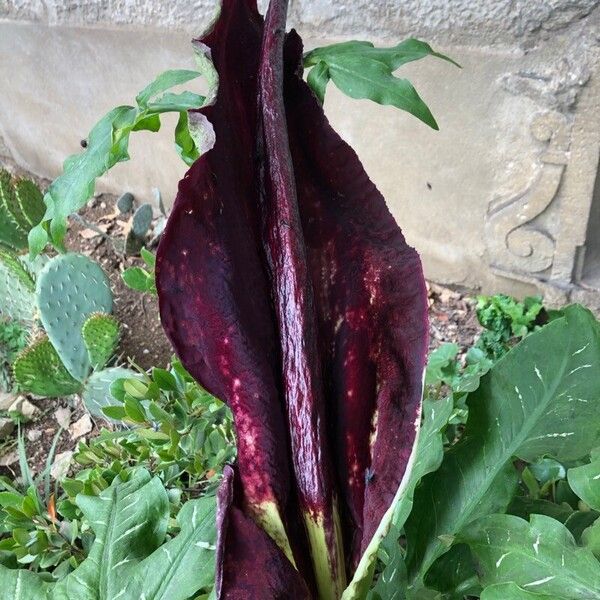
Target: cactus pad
{"points": [[70, 288], [39, 370], [17, 288], [101, 336], [125, 203], [13, 233], [133, 244], [96, 393], [142, 219], [31, 202]]}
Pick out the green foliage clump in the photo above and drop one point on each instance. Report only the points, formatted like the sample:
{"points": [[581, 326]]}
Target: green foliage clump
{"points": [[175, 430], [506, 320]]}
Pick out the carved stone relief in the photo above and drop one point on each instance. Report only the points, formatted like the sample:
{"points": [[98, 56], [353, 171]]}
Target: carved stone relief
{"points": [[516, 243]]}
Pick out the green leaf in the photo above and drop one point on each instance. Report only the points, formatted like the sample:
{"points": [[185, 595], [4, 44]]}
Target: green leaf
{"points": [[454, 574], [19, 584], [441, 364], [585, 482], [591, 538], [164, 379], [135, 388], [136, 278], [185, 145], [134, 409], [362, 71], [163, 82], [107, 145], [540, 556], [579, 521], [523, 506], [171, 102], [179, 568], [317, 79], [396, 56], [116, 412], [511, 591], [391, 583], [148, 257], [542, 397], [372, 80], [428, 457]]}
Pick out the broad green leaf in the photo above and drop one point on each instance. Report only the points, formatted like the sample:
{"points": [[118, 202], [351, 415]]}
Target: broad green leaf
{"points": [[540, 556], [591, 538], [579, 521], [130, 522], [428, 457], [454, 574], [183, 565], [511, 591], [542, 397], [373, 80], [523, 506], [391, 583], [430, 452], [19, 584], [585, 482], [362, 71]]}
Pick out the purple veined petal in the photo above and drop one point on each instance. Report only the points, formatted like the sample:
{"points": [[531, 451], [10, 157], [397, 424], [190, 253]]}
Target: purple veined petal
{"points": [[212, 282], [371, 299]]}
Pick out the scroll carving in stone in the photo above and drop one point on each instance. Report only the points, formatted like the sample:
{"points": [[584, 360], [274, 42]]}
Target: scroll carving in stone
{"points": [[514, 242]]}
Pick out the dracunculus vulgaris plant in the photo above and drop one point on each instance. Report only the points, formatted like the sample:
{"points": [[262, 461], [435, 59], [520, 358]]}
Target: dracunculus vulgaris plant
{"points": [[288, 290]]}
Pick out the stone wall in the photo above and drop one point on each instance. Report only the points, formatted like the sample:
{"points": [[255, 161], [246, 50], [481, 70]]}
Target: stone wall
{"points": [[500, 199]]}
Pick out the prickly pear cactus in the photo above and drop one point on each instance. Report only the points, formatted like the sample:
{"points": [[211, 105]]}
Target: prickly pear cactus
{"points": [[142, 219], [96, 393], [125, 203], [39, 370], [17, 288], [31, 201], [140, 224], [21, 208], [101, 336], [69, 289]]}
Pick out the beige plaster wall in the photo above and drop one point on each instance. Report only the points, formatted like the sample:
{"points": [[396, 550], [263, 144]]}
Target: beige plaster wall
{"points": [[527, 67]]}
